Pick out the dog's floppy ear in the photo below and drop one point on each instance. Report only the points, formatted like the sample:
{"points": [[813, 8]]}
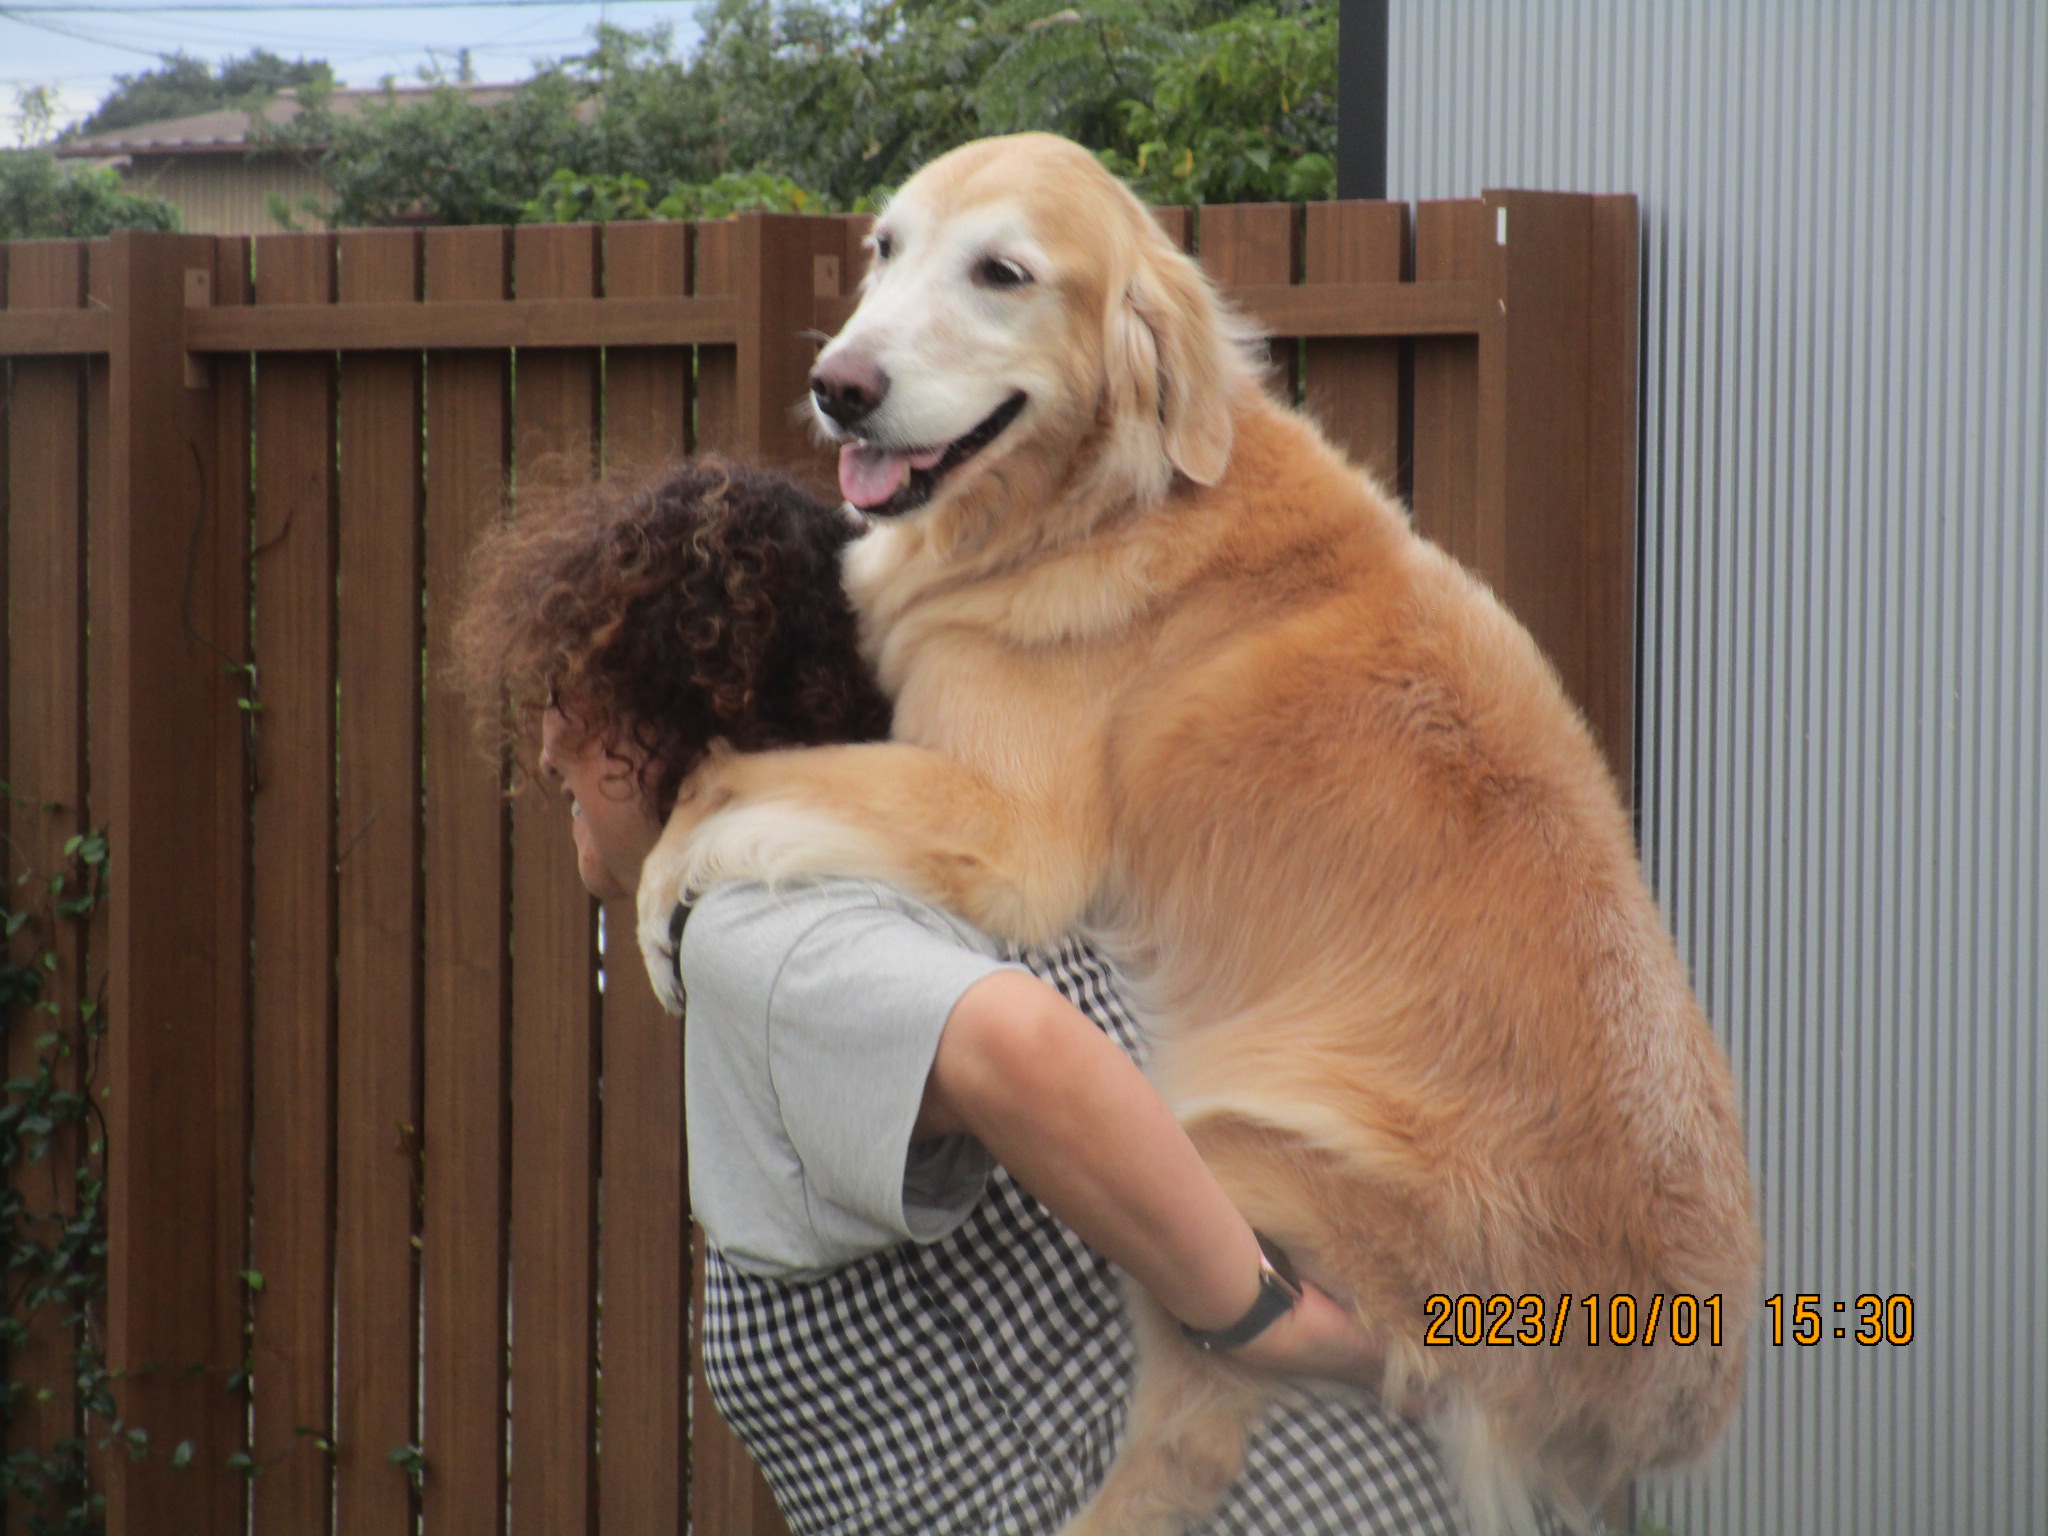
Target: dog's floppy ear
{"points": [[1174, 329]]}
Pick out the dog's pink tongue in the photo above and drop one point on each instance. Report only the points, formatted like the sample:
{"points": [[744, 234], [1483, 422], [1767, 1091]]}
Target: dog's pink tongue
{"points": [[868, 476]]}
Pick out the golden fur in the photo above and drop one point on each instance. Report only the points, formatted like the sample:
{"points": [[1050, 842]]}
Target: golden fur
{"points": [[1166, 666]]}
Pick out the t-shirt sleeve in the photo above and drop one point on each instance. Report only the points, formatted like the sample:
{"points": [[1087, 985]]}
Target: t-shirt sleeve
{"points": [[854, 1018]]}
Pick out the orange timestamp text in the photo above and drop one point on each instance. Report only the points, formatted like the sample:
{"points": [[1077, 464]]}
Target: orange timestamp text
{"points": [[1597, 1319], [1879, 1319]]}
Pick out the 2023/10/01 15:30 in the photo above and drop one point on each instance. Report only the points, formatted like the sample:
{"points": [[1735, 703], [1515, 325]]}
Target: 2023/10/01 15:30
{"points": [[1880, 1319]]}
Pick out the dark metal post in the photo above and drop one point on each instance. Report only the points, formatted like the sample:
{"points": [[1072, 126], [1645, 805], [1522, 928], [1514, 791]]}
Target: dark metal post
{"points": [[1362, 98]]}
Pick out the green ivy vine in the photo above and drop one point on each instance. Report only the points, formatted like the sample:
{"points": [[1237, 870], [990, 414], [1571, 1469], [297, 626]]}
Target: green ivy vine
{"points": [[55, 1260]]}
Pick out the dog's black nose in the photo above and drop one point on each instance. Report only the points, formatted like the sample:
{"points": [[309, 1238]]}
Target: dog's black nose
{"points": [[848, 389]]}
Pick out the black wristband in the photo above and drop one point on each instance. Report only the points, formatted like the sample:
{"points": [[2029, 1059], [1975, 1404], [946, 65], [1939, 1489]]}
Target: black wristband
{"points": [[1279, 1290]]}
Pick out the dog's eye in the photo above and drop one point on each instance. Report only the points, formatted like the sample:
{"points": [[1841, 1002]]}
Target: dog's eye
{"points": [[883, 245], [1000, 272]]}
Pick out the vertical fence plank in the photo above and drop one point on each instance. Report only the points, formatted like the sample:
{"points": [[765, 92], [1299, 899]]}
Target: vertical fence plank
{"points": [[45, 773], [166, 593], [715, 428], [293, 1043], [1354, 387], [223, 609], [468, 997], [644, 1231], [646, 389], [1178, 225], [1449, 246], [1254, 243], [378, 915], [554, 1014]]}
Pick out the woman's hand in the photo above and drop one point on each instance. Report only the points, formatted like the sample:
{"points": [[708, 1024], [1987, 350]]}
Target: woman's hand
{"points": [[1317, 1337]]}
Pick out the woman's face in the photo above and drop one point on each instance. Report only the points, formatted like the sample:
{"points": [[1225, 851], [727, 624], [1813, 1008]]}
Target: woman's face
{"points": [[614, 825]]}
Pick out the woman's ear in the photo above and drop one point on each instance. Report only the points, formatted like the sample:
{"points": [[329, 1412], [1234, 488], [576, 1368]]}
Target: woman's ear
{"points": [[1174, 324]]}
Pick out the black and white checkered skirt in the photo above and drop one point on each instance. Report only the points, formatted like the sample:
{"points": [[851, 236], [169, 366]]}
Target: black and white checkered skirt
{"points": [[977, 1386]]}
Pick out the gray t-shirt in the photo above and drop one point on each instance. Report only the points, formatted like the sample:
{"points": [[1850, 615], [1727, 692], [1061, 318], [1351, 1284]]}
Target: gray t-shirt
{"points": [[814, 1012]]}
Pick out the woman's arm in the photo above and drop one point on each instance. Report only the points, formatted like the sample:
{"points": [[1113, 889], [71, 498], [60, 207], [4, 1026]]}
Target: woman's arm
{"points": [[1059, 1104]]}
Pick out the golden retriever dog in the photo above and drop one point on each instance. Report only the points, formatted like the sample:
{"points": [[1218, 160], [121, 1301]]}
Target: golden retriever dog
{"points": [[1168, 668]]}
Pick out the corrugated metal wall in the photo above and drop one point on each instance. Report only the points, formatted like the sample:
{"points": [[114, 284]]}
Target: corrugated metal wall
{"points": [[1845, 421]]}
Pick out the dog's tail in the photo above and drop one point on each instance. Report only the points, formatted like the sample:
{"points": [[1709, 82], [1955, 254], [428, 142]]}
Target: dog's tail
{"points": [[1496, 1486]]}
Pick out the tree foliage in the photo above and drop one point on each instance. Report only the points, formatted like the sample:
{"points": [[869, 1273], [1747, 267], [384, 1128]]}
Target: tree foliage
{"points": [[182, 86], [828, 104], [42, 200], [444, 160], [1248, 116]]}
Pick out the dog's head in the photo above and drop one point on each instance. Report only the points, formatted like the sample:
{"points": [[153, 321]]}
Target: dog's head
{"points": [[1026, 335]]}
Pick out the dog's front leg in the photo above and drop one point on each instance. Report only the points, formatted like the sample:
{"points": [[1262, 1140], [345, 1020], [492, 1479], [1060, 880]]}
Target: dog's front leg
{"points": [[1019, 867]]}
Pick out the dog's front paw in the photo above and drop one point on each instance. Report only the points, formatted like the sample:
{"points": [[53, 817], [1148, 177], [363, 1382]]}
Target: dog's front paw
{"points": [[662, 905]]}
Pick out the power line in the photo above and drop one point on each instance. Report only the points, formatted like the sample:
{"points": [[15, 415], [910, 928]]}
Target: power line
{"points": [[7, 14]]}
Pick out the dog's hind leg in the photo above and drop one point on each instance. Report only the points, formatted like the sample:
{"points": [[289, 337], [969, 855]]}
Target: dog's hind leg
{"points": [[1185, 1442]]}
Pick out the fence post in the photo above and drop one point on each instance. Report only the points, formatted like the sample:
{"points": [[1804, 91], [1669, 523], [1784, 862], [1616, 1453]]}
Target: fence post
{"points": [[1556, 492], [775, 263], [168, 605]]}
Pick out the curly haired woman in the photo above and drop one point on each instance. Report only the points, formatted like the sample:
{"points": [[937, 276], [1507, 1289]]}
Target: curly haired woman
{"points": [[919, 1157]]}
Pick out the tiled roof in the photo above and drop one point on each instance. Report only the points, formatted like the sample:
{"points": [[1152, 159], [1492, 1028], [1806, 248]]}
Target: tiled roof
{"points": [[227, 129]]}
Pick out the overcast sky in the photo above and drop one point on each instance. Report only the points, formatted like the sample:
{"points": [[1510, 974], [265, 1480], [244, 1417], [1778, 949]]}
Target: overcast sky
{"points": [[79, 46]]}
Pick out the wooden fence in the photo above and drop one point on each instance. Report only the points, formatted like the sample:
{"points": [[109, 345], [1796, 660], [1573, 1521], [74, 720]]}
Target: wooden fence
{"points": [[361, 1040]]}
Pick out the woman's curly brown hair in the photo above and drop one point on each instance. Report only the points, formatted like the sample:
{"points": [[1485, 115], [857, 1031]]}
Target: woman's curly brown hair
{"points": [[701, 605]]}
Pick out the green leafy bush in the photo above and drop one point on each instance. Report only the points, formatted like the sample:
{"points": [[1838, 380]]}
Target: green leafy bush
{"points": [[55, 1269], [42, 200], [1249, 114], [571, 199], [444, 160]]}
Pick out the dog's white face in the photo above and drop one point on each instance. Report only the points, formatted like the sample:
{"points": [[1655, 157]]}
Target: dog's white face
{"points": [[947, 339], [1021, 315]]}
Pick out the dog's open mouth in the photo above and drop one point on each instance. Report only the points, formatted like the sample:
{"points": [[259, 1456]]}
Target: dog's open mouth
{"points": [[887, 484]]}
